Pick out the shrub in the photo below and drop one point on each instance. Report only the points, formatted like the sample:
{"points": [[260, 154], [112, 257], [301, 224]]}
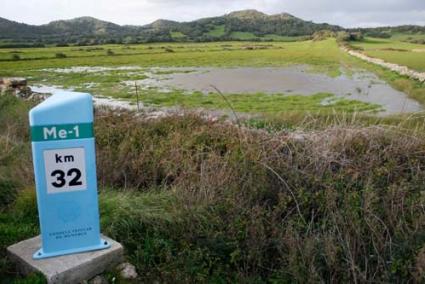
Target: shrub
{"points": [[109, 52], [7, 193], [322, 35], [196, 200], [343, 36], [250, 205], [16, 57], [60, 55]]}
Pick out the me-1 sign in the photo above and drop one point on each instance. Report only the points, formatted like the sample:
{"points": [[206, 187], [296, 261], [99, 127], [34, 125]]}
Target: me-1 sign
{"points": [[65, 174]]}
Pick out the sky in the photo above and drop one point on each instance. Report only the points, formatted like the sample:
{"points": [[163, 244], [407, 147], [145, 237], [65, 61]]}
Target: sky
{"points": [[348, 13]]}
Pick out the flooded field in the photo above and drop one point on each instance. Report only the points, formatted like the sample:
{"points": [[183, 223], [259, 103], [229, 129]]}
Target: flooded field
{"points": [[294, 81], [362, 86]]}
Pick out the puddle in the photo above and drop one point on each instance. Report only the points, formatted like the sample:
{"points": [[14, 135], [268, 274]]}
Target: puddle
{"points": [[362, 86], [292, 80]]}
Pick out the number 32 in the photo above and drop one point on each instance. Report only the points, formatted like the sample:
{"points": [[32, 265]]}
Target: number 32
{"points": [[74, 173]]}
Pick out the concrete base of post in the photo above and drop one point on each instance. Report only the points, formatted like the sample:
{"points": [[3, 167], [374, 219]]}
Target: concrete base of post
{"points": [[72, 268]]}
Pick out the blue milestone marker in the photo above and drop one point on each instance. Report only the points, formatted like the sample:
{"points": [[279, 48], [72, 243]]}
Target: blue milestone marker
{"points": [[65, 175]]}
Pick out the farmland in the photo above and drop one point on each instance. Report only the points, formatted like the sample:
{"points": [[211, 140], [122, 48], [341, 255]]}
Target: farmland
{"points": [[303, 188], [38, 65], [395, 51]]}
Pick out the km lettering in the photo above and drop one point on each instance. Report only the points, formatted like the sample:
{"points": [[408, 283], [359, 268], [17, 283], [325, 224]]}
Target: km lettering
{"points": [[64, 159]]}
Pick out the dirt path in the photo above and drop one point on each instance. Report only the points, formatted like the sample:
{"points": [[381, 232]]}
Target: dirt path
{"points": [[402, 70]]}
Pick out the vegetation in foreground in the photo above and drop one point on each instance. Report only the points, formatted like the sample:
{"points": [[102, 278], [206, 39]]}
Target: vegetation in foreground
{"points": [[335, 199]]}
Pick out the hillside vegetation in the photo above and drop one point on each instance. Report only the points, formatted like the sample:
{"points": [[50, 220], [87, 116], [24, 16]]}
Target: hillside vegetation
{"points": [[239, 25], [339, 200], [87, 30]]}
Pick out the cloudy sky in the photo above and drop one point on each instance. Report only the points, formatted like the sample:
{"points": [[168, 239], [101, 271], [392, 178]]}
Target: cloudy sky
{"points": [[348, 13]]}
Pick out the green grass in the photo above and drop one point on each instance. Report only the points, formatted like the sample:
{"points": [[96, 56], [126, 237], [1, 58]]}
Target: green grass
{"points": [[394, 51], [322, 56], [256, 103], [284, 38], [178, 35], [406, 37], [185, 54], [217, 31], [243, 35]]}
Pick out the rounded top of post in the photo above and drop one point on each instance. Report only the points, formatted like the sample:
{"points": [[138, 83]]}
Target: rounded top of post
{"points": [[63, 108]]}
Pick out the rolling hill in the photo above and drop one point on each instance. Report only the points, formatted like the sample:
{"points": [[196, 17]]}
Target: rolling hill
{"points": [[239, 25], [234, 26]]}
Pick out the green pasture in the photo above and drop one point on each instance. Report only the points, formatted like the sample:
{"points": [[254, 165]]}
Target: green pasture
{"points": [[324, 55], [395, 51], [217, 31]]}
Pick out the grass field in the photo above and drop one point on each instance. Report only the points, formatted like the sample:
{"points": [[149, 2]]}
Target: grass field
{"points": [[322, 56], [395, 51], [217, 31], [243, 35], [179, 54], [178, 35], [407, 37]]}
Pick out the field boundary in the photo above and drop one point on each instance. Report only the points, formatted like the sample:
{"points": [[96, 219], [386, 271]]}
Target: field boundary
{"points": [[401, 70]]}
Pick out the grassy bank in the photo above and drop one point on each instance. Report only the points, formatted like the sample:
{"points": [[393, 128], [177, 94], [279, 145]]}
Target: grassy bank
{"points": [[336, 199]]}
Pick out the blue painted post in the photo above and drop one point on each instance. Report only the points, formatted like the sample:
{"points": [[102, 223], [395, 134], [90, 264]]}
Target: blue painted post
{"points": [[64, 160]]}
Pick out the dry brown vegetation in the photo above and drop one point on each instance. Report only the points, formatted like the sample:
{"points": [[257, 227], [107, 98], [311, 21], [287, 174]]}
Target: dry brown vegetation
{"points": [[203, 201], [340, 204]]}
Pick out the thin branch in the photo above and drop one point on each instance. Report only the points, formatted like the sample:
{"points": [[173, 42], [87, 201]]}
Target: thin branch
{"points": [[288, 188], [228, 103]]}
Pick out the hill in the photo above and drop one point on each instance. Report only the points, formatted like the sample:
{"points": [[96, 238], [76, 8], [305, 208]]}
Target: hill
{"points": [[239, 25], [83, 30], [408, 33]]}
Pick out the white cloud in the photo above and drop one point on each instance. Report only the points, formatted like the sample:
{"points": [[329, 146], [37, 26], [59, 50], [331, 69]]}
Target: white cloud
{"points": [[139, 12]]}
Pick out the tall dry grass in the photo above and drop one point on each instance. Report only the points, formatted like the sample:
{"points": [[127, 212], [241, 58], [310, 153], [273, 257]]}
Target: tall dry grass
{"points": [[344, 203], [336, 199]]}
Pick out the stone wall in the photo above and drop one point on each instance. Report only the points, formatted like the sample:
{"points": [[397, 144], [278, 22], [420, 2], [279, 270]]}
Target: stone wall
{"points": [[19, 88], [402, 70]]}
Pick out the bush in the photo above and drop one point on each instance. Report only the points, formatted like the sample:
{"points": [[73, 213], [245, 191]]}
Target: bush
{"points": [[16, 57], [60, 55], [417, 41], [196, 200], [349, 36], [322, 35], [343, 36], [109, 52], [8, 192], [252, 206]]}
